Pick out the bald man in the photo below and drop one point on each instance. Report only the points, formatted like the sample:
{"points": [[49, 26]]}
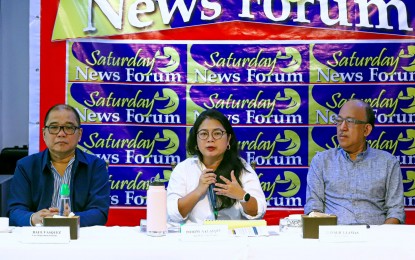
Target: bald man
{"points": [[357, 183]]}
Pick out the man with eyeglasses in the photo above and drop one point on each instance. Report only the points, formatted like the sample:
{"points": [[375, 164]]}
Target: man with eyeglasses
{"points": [[35, 189], [357, 183]]}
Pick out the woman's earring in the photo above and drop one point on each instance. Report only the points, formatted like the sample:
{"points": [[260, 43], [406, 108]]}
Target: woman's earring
{"points": [[228, 147], [197, 148]]}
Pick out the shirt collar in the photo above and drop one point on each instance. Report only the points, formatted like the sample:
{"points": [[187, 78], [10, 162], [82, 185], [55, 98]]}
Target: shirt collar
{"points": [[361, 156], [79, 158]]}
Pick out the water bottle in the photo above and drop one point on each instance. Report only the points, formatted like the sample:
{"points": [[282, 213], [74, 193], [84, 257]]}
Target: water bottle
{"points": [[64, 201], [156, 209]]}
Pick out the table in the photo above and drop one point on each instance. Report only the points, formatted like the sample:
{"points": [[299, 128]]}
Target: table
{"points": [[385, 242], [5, 181]]}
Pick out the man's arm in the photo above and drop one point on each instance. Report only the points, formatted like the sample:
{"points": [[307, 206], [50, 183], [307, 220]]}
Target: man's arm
{"points": [[315, 188], [18, 204], [392, 221], [96, 209], [394, 200]]}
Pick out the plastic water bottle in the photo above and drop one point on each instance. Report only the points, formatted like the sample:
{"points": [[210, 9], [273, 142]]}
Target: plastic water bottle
{"points": [[64, 201], [157, 209]]}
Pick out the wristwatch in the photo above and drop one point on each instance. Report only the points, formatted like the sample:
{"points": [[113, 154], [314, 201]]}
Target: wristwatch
{"points": [[246, 197]]}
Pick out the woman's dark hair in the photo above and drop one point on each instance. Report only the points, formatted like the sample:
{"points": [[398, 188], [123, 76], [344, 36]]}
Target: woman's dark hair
{"points": [[231, 160]]}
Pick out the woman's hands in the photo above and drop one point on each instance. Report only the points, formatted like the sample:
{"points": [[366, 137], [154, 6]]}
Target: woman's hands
{"points": [[187, 203], [233, 190], [206, 178], [230, 189]]}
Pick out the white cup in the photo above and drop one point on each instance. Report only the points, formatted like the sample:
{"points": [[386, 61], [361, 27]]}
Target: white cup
{"points": [[283, 225], [4, 223], [295, 220]]}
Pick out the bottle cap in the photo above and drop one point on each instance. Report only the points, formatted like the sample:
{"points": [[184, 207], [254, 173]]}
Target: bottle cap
{"points": [[157, 182], [65, 189]]}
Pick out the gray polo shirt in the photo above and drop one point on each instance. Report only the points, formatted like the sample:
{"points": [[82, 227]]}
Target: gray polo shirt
{"points": [[365, 191]]}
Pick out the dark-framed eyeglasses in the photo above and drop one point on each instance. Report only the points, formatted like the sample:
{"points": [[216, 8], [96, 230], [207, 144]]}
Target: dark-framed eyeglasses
{"points": [[67, 129], [216, 134], [349, 121]]}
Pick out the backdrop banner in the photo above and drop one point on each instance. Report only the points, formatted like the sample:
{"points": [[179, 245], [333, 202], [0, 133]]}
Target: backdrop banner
{"points": [[114, 17], [140, 72], [139, 99]]}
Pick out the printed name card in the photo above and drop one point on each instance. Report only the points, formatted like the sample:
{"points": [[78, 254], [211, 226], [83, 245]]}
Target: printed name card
{"points": [[343, 233], [196, 232], [252, 231], [45, 235]]}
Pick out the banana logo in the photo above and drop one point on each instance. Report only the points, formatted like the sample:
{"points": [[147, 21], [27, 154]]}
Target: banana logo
{"points": [[173, 140], [294, 142], [411, 54], [166, 174], [292, 96], [410, 180], [171, 95], [295, 56], [411, 95], [293, 180], [410, 138], [169, 54]]}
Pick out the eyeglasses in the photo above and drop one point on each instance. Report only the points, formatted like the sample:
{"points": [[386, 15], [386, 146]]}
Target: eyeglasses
{"points": [[216, 134], [349, 121], [55, 129]]}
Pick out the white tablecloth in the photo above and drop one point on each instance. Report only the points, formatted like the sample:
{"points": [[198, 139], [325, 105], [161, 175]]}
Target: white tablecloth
{"points": [[385, 242]]}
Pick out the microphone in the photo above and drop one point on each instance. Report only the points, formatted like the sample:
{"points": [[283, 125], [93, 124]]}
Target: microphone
{"points": [[212, 198]]}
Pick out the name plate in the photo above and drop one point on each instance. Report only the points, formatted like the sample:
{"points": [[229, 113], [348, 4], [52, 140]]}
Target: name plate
{"points": [[195, 232], [343, 233], [45, 235]]}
